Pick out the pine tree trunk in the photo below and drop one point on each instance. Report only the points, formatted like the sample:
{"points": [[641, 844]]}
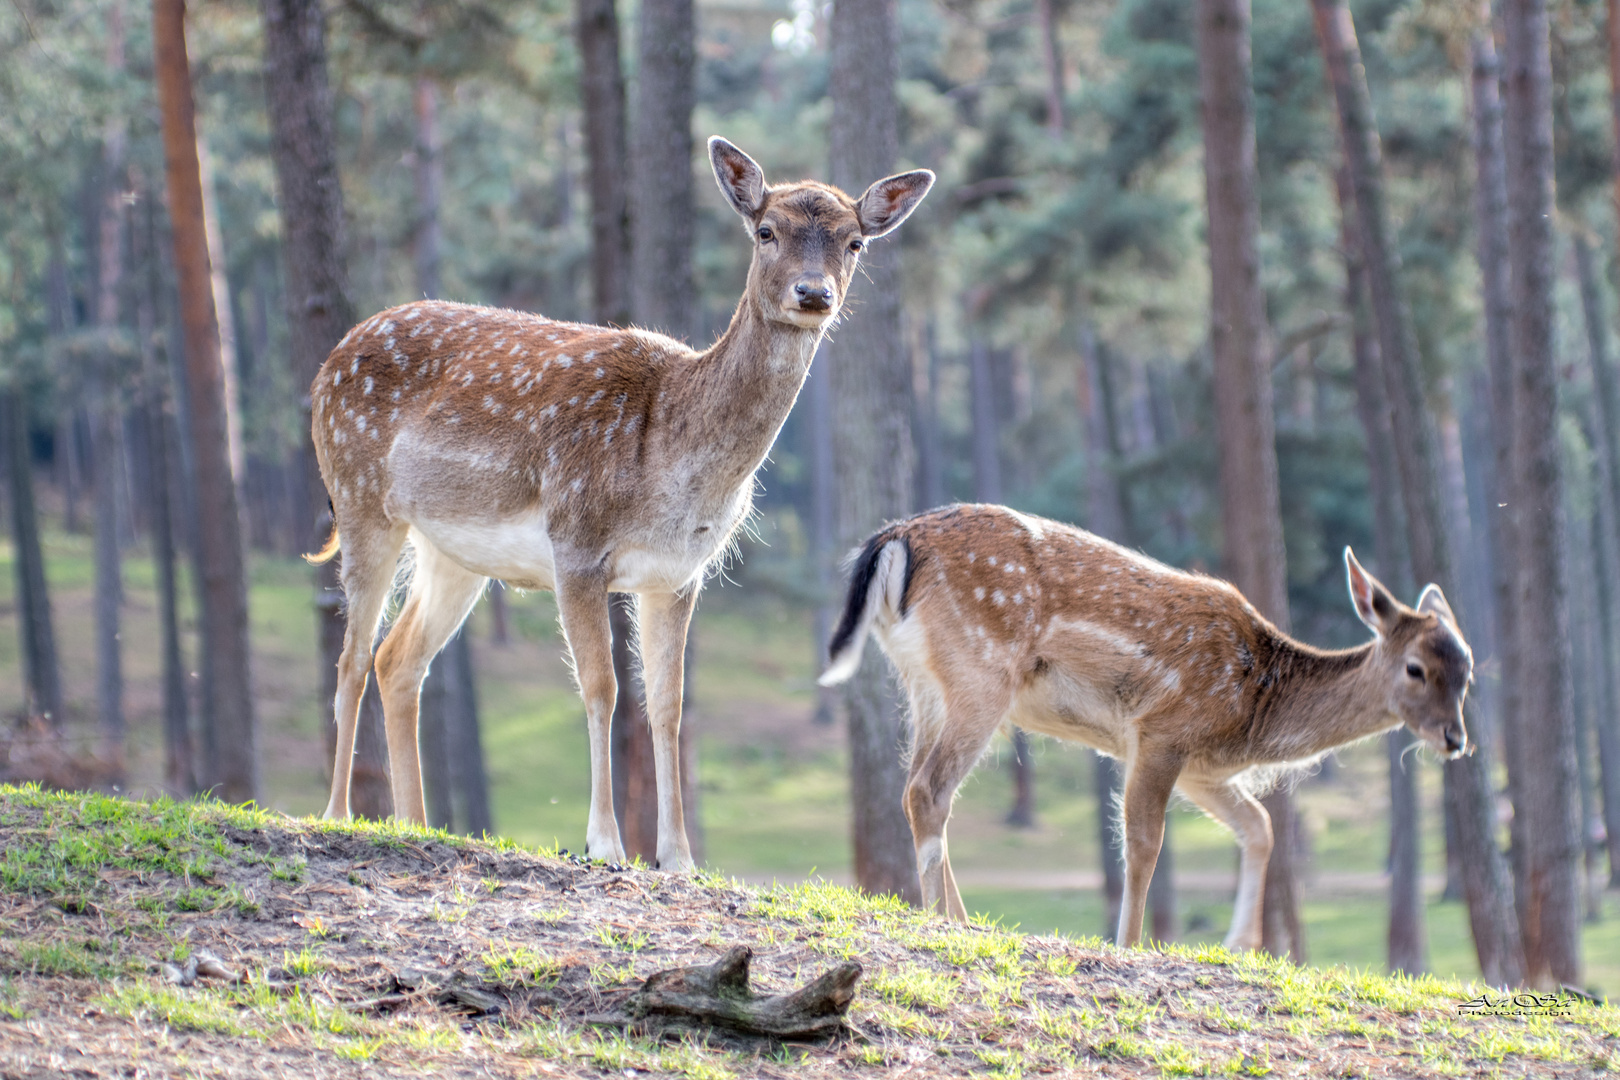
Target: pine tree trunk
{"points": [[1486, 882], [823, 521], [470, 772], [1251, 516], [1052, 57], [232, 763], [41, 673], [661, 284], [871, 422], [930, 439], [433, 742], [596, 29], [1604, 524], [635, 782], [319, 310], [1550, 914]]}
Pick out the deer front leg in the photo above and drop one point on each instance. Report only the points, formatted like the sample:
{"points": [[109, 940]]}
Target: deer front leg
{"points": [[1242, 813], [664, 619], [1150, 777], [582, 605]]}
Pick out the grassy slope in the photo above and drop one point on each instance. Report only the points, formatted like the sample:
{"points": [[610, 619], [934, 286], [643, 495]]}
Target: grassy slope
{"points": [[350, 945], [774, 798]]}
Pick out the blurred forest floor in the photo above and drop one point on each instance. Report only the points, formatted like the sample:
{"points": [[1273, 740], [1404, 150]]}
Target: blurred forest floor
{"points": [[773, 785]]}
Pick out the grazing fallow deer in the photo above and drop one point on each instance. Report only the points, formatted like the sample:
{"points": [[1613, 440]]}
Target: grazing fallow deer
{"points": [[583, 459], [994, 617]]}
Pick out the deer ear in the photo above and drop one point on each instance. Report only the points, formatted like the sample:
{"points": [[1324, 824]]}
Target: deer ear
{"points": [[890, 201], [741, 180], [1374, 604], [1433, 602]]}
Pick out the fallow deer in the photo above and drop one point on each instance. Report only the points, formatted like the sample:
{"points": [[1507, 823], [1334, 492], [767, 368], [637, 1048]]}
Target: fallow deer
{"points": [[994, 617], [583, 459]]}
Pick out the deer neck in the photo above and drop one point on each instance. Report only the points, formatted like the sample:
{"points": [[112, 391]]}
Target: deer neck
{"points": [[744, 386], [1318, 699]]}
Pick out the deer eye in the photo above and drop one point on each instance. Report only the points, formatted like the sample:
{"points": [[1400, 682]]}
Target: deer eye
{"points": [[1415, 671], [856, 245], [766, 233]]}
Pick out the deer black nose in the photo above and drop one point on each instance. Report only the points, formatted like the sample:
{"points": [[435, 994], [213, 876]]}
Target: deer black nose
{"points": [[813, 295], [1456, 739]]}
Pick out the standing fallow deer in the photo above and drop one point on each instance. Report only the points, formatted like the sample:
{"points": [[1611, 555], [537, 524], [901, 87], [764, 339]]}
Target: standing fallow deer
{"points": [[582, 459], [994, 617]]}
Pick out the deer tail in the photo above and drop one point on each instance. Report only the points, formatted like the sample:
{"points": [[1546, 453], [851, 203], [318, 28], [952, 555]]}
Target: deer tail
{"points": [[879, 576], [329, 549]]}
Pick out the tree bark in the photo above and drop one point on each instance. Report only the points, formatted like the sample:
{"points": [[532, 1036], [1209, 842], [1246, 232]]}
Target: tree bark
{"points": [[469, 770], [106, 444], [220, 285], [229, 728], [1486, 882], [1052, 56], [635, 782], [428, 175], [1605, 540], [596, 27], [319, 309], [1251, 517], [1550, 913], [872, 446], [823, 522], [41, 673], [662, 290]]}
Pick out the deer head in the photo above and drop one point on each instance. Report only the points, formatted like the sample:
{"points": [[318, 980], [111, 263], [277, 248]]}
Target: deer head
{"points": [[1423, 657], [808, 237]]}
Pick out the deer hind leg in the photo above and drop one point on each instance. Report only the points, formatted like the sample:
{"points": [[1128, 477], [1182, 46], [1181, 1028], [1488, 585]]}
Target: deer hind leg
{"points": [[442, 593], [664, 619], [582, 605], [952, 732], [1150, 776], [369, 557], [1228, 803]]}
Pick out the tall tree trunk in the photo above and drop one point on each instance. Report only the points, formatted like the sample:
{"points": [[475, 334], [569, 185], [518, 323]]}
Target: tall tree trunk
{"points": [[661, 282], [220, 284], [1605, 539], [1407, 937], [1251, 516], [1604, 524], [428, 173], [872, 447], [930, 440], [1486, 882], [41, 673], [319, 308], [1550, 914], [227, 687], [1052, 56], [596, 28], [179, 763], [469, 771]]}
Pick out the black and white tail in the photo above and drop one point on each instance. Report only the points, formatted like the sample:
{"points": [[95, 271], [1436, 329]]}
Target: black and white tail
{"points": [[879, 579]]}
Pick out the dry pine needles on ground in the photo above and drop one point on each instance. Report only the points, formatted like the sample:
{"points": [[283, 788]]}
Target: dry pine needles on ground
{"points": [[161, 939]]}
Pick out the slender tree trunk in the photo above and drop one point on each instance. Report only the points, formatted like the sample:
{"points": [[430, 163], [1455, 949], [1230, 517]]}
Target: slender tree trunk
{"points": [[500, 618], [596, 28], [219, 283], [428, 173], [41, 673], [1251, 518], [1486, 882], [1604, 524], [1052, 56], [872, 447], [319, 309], [661, 284], [930, 440], [1550, 915], [469, 771], [433, 740], [227, 687], [1605, 539]]}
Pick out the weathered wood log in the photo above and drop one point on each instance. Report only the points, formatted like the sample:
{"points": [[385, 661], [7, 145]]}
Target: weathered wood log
{"points": [[718, 994]]}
